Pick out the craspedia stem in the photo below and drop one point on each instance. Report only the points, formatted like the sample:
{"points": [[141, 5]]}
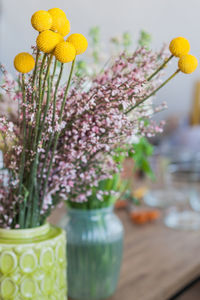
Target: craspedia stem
{"points": [[33, 166], [153, 93], [22, 164], [59, 122], [160, 68], [39, 102], [53, 120]]}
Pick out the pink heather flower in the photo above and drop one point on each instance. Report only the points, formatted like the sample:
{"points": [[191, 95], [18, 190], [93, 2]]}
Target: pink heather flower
{"points": [[94, 125]]}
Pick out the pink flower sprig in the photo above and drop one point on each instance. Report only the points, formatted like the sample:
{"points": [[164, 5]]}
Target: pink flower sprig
{"points": [[94, 124]]}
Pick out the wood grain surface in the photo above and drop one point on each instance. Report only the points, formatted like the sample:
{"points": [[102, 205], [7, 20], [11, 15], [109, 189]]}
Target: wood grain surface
{"points": [[157, 261]]}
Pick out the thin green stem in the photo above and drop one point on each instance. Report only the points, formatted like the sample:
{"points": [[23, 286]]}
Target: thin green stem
{"points": [[35, 198], [35, 208], [38, 109], [42, 95], [53, 120], [160, 68], [34, 164], [33, 93], [66, 91], [55, 93], [49, 84], [35, 70], [46, 76], [155, 91], [36, 185], [54, 70], [58, 132], [45, 110], [22, 163]]}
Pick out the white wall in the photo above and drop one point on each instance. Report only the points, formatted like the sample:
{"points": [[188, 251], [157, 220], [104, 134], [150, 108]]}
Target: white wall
{"points": [[164, 19]]}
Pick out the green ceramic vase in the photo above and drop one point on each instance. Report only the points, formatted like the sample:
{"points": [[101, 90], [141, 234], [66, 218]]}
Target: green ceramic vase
{"points": [[33, 264]]}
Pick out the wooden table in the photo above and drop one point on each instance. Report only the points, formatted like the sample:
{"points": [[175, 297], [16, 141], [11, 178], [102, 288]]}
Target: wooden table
{"points": [[157, 263]]}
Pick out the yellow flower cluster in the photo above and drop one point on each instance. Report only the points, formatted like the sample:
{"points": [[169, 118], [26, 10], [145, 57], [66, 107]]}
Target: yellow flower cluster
{"points": [[51, 39], [54, 19], [52, 26], [76, 44], [180, 47]]}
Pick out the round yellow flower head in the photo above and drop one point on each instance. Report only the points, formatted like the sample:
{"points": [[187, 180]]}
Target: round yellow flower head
{"points": [[188, 63], [57, 12], [60, 22], [24, 62], [47, 41], [79, 41], [65, 52], [65, 29], [41, 20], [179, 46]]}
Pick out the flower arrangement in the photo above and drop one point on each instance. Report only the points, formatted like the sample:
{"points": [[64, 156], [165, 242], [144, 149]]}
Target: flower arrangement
{"points": [[103, 113], [103, 117], [65, 141], [139, 148], [28, 140]]}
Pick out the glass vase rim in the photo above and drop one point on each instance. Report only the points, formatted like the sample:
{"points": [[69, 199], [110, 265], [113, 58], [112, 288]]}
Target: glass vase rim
{"points": [[25, 233], [90, 211]]}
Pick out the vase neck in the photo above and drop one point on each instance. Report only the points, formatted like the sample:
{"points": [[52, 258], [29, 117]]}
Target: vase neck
{"points": [[90, 212]]}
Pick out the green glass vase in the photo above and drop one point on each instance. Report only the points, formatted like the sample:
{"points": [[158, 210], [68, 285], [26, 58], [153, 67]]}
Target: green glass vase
{"points": [[94, 251], [33, 264]]}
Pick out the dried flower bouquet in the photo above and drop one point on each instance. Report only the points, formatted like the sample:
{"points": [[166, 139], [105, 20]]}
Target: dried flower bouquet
{"points": [[64, 142]]}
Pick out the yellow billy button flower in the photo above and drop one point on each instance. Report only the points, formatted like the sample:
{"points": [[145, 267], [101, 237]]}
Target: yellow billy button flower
{"points": [[79, 41], [41, 20], [47, 41], [24, 62], [60, 22], [65, 28], [187, 63], [65, 52], [179, 46]]}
